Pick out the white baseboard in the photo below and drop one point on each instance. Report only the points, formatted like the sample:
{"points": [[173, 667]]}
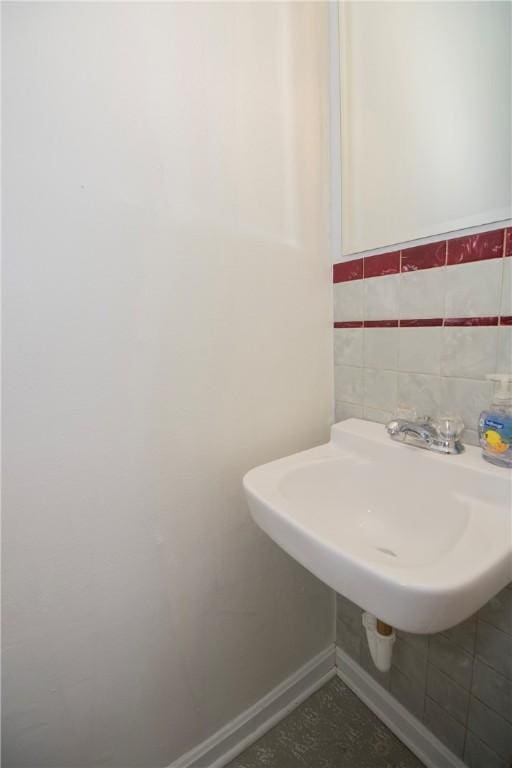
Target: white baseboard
{"points": [[224, 745], [404, 725], [245, 729]]}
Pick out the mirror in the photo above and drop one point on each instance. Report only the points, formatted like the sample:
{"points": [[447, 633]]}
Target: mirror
{"points": [[425, 119]]}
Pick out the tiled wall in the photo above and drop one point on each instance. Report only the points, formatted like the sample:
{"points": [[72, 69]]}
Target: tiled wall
{"points": [[458, 683], [422, 327]]}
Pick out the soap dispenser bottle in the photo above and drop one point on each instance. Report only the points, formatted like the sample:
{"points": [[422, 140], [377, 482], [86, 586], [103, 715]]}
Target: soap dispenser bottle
{"points": [[495, 424]]}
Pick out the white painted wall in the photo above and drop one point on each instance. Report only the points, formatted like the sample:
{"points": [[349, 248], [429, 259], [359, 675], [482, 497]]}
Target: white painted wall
{"points": [[426, 119], [167, 326]]}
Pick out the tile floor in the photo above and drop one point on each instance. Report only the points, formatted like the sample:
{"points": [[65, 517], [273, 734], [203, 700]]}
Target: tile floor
{"points": [[331, 729]]}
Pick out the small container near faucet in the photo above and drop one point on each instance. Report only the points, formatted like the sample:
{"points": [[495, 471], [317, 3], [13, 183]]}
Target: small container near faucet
{"points": [[495, 424]]}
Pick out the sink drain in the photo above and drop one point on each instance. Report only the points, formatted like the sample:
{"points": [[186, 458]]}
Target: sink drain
{"points": [[386, 551]]}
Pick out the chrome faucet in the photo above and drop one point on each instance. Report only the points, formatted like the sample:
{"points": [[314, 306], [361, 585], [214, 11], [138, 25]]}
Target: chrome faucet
{"points": [[442, 435]]}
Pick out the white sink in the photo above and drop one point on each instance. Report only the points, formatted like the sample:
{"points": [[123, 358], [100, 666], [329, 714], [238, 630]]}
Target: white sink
{"points": [[419, 539]]}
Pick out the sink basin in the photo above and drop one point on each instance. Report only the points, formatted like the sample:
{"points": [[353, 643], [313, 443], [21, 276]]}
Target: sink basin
{"points": [[419, 539]]}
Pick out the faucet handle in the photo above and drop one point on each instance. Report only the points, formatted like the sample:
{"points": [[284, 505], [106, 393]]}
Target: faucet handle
{"points": [[449, 426]]}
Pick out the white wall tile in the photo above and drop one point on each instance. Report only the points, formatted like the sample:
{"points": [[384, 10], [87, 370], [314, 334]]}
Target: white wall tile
{"points": [[422, 293], [348, 346], [419, 350], [473, 289], [466, 398], [374, 414], [504, 357], [419, 391], [348, 384], [381, 297], [348, 411], [348, 301], [470, 437], [380, 389], [506, 290], [381, 348], [469, 352], [432, 369]]}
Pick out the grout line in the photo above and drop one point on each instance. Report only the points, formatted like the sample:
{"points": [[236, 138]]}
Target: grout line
{"points": [[363, 353], [426, 683], [409, 373], [502, 283], [491, 708], [444, 285], [468, 707], [499, 629]]}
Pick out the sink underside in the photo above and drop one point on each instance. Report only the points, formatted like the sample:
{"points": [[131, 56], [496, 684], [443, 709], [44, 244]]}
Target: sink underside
{"points": [[421, 540]]}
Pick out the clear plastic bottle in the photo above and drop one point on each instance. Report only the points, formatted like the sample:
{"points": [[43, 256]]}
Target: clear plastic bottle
{"points": [[495, 424]]}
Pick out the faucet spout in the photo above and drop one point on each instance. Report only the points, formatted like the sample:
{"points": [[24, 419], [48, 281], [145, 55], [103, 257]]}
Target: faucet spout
{"points": [[424, 433]]}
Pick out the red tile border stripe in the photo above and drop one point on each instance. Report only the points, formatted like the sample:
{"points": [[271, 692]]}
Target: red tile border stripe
{"points": [[382, 264], [461, 321], [349, 324], [424, 256], [347, 270], [493, 244], [380, 323], [485, 245], [508, 243], [427, 322]]}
